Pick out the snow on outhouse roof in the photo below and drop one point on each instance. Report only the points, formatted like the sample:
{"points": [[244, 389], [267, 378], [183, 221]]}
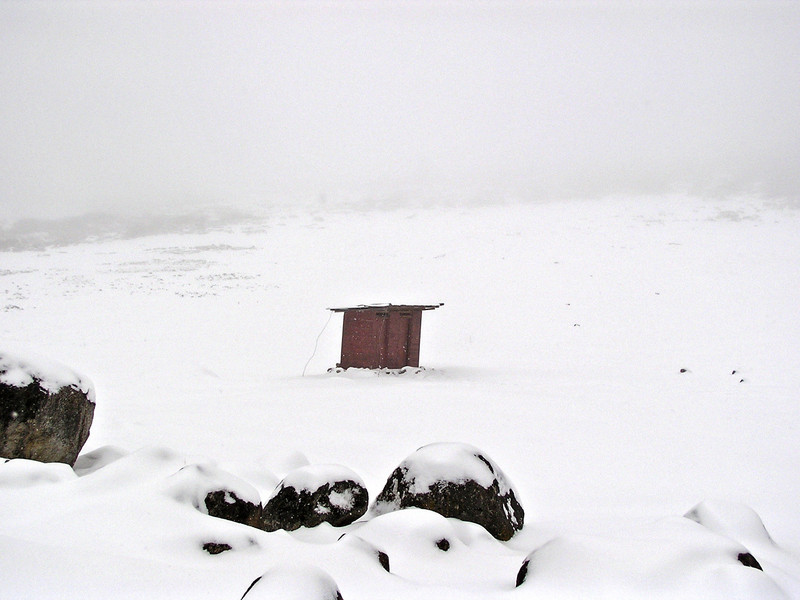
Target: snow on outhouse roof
{"points": [[388, 307]]}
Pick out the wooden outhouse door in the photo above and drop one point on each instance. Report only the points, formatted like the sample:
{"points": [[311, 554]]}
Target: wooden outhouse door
{"points": [[395, 343]]}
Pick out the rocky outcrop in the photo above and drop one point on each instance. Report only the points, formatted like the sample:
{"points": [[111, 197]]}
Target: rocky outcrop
{"points": [[316, 494], [46, 410], [454, 480]]}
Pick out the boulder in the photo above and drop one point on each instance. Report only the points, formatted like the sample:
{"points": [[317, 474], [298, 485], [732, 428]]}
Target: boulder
{"points": [[225, 504], [46, 409], [315, 494], [454, 480], [216, 493], [294, 583]]}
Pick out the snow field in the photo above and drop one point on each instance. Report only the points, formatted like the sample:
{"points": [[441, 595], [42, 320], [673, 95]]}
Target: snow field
{"points": [[559, 352]]}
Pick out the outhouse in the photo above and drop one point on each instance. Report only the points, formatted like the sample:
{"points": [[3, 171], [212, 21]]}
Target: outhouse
{"points": [[381, 335]]}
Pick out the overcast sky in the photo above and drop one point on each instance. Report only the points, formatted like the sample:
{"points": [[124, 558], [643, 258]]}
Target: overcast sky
{"points": [[107, 104]]}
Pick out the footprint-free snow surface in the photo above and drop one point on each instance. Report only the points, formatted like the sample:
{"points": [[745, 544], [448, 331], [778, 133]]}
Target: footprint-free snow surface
{"points": [[630, 364]]}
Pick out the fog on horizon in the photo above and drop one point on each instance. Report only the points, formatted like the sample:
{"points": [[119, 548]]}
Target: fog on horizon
{"points": [[145, 105]]}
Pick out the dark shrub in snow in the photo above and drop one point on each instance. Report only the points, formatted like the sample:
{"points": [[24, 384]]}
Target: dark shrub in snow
{"points": [[454, 480], [294, 583], [316, 494], [46, 410]]}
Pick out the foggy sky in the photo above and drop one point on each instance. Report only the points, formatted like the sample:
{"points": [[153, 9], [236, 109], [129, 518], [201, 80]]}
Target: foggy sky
{"points": [[144, 104]]}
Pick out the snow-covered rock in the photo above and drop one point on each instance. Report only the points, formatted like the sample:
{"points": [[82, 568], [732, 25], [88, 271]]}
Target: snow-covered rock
{"points": [[46, 409], [216, 493], [743, 525], [362, 546], [454, 480], [316, 494], [294, 583], [672, 558], [20, 370], [412, 532], [424, 547]]}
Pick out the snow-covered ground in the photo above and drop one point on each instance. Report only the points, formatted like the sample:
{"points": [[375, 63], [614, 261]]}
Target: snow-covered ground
{"points": [[622, 361]]}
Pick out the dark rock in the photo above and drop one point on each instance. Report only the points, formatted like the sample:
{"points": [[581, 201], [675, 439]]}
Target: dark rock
{"points": [[748, 560], [522, 575], [443, 544], [458, 481], [225, 504], [43, 418], [312, 495], [250, 587], [216, 547], [383, 559]]}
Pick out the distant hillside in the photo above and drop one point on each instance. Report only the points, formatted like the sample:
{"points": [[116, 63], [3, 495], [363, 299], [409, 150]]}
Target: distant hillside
{"points": [[34, 234]]}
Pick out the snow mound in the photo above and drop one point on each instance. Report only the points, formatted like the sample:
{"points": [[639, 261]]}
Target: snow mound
{"points": [[362, 548], [141, 468], [294, 583], [673, 558], [21, 370], [424, 547], [193, 483], [742, 524], [97, 459], [21, 473], [413, 531], [731, 519]]}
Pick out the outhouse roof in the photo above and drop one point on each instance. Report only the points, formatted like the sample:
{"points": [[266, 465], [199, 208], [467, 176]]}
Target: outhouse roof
{"points": [[388, 307]]}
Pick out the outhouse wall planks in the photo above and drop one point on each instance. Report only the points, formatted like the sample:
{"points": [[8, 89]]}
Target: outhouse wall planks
{"points": [[381, 336]]}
